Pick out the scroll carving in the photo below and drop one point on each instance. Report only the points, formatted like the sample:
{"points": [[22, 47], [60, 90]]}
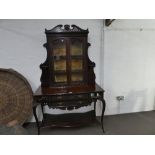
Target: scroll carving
{"points": [[66, 29]]}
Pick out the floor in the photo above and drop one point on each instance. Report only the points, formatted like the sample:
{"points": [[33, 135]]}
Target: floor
{"points": [[142, 123]]}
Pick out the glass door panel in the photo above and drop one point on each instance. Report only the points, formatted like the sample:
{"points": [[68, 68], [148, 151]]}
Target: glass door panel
{"points": [[59, 48], [76, 58], [59, 61], [76, 64], [76, 47], [59, 65], [75, 77], [60, 78]]}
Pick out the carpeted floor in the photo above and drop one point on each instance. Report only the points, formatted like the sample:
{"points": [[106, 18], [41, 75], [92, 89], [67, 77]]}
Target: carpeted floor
{"points": [[142, 123]]}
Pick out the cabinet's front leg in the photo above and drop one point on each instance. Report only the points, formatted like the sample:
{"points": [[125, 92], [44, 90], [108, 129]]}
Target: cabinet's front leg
{"points": [[95, 108], [94, 101], [42, 109], [103, 110], [36, 118]]}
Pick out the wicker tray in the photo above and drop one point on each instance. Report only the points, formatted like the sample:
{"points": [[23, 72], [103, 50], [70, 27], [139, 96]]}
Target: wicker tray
{"points": [[16, 97]]}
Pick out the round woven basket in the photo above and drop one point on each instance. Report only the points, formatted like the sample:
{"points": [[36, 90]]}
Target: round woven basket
{"points": [[16, 97]]}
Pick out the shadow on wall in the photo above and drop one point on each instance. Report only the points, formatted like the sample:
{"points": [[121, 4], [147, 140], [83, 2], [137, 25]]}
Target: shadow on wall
{"points": [[134, 101], [154, 103]]}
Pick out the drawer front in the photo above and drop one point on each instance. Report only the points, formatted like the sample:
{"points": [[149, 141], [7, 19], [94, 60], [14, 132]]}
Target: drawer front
{"points": [[70, 98], [69, 104], [65, 100], [62, 98]]}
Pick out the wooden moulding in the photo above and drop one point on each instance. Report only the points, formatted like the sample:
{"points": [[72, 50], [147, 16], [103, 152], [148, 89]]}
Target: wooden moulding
{"points": [[71, 89]]}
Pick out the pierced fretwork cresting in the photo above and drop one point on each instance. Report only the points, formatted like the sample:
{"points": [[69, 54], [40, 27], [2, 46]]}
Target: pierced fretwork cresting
{"points": [[66, 29]]}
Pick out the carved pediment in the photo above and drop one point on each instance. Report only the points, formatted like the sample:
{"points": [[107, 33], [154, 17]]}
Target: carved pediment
{"points": [[66, 29]]}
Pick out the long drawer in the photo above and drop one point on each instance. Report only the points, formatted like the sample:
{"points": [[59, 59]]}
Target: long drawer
{"points": [[63, 98]]}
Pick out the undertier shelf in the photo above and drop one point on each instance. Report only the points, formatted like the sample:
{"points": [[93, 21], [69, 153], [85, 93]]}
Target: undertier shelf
{"points": [[68, 120]]}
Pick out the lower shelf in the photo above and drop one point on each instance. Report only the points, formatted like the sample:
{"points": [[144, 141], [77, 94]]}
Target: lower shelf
{"points": [[68, 120]]}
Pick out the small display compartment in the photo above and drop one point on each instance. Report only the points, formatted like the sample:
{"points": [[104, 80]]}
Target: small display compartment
{"points": [[75, 77], [76, 64], [59, 47], [76, 47], [59, 65], [60, 78]]}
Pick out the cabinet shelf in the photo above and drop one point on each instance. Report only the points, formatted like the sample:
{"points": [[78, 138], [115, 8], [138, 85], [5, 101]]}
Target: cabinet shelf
{"points": [[76, 77], [60, 78], [60, 65], [77, 71], [76, 64], [76, 56], [59, 72], [57, 58]]}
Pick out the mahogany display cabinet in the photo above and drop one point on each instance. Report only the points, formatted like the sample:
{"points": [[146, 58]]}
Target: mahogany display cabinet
{"points": [[68, 79]]}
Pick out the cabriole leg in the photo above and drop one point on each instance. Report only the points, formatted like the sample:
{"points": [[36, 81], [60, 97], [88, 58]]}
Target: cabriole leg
{"points": [[103, 110], [36, 118]]}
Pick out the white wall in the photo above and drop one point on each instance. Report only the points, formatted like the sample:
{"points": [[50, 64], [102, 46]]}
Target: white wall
{"points": [[21, 46], [129, 65]]}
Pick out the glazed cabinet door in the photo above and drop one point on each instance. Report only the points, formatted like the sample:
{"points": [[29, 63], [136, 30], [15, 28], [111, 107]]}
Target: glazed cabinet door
{"points": [[67, 61], [59, 61], [76, 60]]}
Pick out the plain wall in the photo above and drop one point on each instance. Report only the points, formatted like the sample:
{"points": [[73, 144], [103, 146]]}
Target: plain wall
{"points": [[129, 65]]}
